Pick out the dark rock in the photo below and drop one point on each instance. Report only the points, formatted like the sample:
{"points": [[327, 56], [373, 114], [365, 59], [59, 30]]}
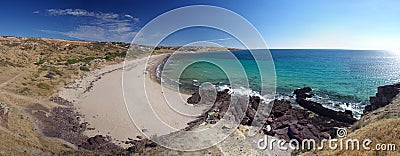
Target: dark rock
{"points": [[194, 99], [383, 97], [284, 121], [101, 143], [302, 94], [61, 101], [298, 123], [254, 102], [63, 123], [50, 75], [322, 111], [138, 146]]}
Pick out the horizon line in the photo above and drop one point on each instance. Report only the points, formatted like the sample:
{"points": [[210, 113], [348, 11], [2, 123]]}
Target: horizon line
{"points": [[273, 48]]}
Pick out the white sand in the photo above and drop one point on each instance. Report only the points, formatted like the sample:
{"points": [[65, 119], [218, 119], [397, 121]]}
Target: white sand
{"points": [[105, 110]]}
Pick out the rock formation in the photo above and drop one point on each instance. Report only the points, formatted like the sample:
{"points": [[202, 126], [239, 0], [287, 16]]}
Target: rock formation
{"points": [[383, 97], [284, 121], [317, 108], [65, 123], [289, 122], [194, 99]]}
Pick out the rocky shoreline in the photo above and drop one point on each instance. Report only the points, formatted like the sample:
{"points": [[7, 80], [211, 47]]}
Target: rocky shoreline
{"points": [[285, 121], [311, 121], [65, 123], [301, 98]]}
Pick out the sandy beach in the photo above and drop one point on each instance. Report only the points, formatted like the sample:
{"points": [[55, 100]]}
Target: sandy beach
{"points": [[98, 97]]}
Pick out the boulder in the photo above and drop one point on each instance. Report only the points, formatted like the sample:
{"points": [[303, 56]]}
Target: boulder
{"points": [[194, 99], [303, 93]]}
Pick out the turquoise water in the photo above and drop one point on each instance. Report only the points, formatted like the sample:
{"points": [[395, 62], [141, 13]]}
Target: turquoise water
{"points": [[341, 79]]}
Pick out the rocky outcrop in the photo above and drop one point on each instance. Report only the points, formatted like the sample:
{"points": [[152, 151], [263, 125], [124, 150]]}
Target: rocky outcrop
{"points": [[194, 99], [289, 122], [4, 110], [65, 123], [284, 121], [138, 146], [100, 143], [61, 101], [301, 98], [383, 97]]}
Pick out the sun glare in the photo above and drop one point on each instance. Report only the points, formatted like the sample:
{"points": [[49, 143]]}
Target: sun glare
{"points": [[395, 51]]}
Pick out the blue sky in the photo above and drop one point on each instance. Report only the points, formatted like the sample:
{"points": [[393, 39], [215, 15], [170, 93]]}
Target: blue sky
{"points": [[341, 24]]}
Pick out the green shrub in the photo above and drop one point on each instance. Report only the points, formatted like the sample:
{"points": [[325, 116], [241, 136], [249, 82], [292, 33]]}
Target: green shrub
{"points": [[72, 61], [43, 86], [24, 91], [88, 59], [84, 68], [112, 55], [41, 61]]}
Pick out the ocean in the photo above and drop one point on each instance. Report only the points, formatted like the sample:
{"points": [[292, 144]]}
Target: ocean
{"points": [[340, 79]]}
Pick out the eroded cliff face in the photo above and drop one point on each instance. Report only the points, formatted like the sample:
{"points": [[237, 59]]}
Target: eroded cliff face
{"points": [[383, 97], [385, 105]]}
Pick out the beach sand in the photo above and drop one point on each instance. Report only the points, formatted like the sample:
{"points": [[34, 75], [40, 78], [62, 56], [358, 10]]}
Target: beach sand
{"points": [[103, 105]]}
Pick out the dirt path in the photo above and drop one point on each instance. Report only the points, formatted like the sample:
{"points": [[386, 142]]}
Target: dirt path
{"points": [[12, 79], [23, 97]]}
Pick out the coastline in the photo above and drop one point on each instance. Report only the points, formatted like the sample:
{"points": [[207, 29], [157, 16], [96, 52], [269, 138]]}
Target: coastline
{"points": [[112, 119], [98, 98]]}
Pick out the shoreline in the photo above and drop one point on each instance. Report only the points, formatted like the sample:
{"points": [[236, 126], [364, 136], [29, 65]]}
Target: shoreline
{"points": [[117, 124], [98, 98]]}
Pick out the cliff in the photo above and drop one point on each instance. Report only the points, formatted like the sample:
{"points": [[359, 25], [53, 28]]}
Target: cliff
{"points": [[383, 97]]}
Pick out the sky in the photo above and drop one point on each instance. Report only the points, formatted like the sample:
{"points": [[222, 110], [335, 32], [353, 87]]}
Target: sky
{"points": [[326, 24]]}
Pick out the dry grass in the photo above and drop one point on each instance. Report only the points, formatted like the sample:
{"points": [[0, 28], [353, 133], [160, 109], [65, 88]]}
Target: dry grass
{"points": [[20, 137], [32, 70], [381, 126], [45, 62]]}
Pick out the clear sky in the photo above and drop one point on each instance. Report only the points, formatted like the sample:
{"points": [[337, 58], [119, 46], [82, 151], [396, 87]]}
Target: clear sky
{"points": [[341, 24]]}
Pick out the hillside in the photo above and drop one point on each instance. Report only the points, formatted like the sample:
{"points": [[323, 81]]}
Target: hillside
{"points": [[31, 71]]}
